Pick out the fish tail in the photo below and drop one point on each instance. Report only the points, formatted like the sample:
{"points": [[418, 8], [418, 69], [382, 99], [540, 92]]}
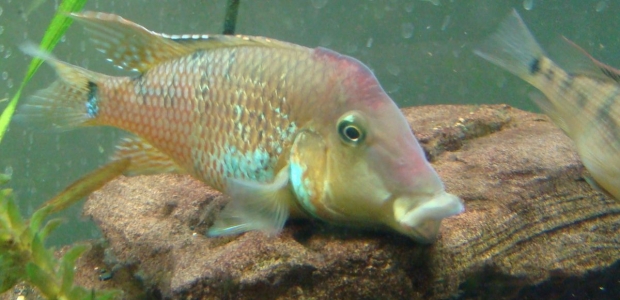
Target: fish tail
{"points": [[72, 100], [514, 48]]}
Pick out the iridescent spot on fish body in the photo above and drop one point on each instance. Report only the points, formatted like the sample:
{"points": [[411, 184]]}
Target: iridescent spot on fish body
{"points": [[302, 187], [92, 106], [254, 165]]}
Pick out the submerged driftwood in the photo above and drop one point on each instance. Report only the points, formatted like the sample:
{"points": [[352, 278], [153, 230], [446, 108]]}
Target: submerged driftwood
{"points": [[533, 228]]}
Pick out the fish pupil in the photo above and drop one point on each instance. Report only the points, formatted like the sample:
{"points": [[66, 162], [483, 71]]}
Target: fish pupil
{"points": [[352, 133]]}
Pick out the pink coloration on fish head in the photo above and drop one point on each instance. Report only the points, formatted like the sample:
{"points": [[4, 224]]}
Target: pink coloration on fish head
{"points": [[376, 170]]}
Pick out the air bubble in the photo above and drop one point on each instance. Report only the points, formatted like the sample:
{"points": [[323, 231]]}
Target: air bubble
{"points": [[5, 75], [601, 6], [369, 43], [528, 4], [8, 53], [407, 30], [409, 7], [434, 2], [8, 170], [9, 83], [1, 10], [393, 69], [318, 4], [446, 22], [325, 41], [351, 48], [1, 29]]}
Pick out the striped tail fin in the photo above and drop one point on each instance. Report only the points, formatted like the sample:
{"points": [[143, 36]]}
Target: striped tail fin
{"points": [[72, 100], [513, 48]]}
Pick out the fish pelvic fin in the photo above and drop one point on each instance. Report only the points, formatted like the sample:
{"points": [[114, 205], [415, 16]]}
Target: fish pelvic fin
{"points": [[144, 158], [132, 46], [255, 206], [72, 100], [513, 47]]}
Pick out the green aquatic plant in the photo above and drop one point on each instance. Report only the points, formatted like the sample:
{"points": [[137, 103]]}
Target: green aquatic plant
{"points": [[23, 256], [4, 178], [52, 36]]}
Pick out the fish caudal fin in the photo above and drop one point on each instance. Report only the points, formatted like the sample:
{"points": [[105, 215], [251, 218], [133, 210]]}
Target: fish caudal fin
{"points": [[255, 206], [513, 48], [72, 100]]}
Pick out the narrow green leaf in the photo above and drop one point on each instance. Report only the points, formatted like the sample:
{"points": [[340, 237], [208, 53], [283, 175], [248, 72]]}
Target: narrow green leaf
{"points": [[109, 295], [4, 178], [38, 217], [6, 284], [42, 280], [52, 36], [15, 218], [5, 237], [42, 257], [10, 274], [49, 227], [78, 292], [67, 263], [74, 253], [5, 220]]}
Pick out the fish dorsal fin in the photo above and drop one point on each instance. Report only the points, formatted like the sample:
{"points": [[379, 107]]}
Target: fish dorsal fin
{"points": [[131, 46], [575, 60]]}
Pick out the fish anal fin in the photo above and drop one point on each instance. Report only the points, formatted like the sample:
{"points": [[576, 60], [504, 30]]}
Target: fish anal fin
{"points": [[144, 158], [552, 111], [596, 186], [255, 206]]}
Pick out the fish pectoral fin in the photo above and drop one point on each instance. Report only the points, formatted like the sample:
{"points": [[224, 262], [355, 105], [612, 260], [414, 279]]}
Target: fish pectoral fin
{"points": [[144, 158], [255, 206]]}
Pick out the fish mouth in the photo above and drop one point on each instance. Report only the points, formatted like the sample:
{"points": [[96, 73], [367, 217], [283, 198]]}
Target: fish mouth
{"points": [[421, 222]]}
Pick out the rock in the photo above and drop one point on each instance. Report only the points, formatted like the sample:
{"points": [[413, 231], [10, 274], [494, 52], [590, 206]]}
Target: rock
{"points": [[533, 228]]}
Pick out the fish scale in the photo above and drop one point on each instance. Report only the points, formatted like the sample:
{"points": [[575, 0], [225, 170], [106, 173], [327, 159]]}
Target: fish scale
{"points": [[225, 98], [282, 129]]}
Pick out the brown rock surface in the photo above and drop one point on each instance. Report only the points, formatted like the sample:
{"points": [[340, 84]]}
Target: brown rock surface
{"points": [[533, 228]]}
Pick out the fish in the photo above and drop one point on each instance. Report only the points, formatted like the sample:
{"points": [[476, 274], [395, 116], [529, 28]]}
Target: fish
{"points": [[283, 130], [580, 94]]}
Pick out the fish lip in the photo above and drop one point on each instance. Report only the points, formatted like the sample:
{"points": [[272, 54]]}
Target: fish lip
{"points": [[421, 221]]}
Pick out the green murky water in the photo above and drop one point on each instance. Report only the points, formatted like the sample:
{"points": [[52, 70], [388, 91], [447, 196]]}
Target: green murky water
{"points": [[421, 51]]}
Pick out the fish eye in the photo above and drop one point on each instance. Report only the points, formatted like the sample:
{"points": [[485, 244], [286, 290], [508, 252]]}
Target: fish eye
{"points": [[350, 130]]}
